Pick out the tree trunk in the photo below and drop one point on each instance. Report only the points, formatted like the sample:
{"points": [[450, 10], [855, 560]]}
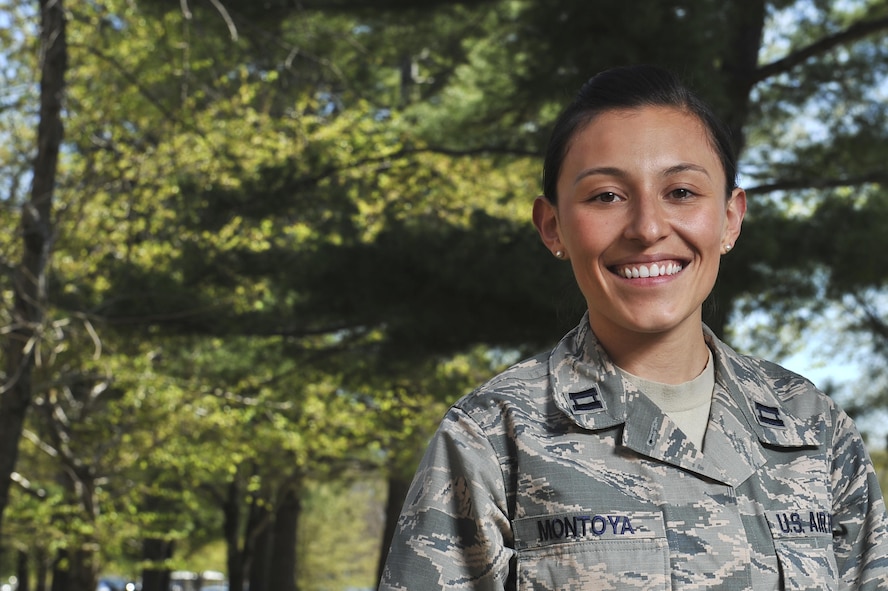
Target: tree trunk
{"points": [[231, 528], [259, 546], [21, 572], [741, 62], [83, 570], [261, 560], [154, 551], [80, 563], [60, 575], [739, 74], [42, 569], [398, 486], [75, 570], [282, 569], [29, 281]]}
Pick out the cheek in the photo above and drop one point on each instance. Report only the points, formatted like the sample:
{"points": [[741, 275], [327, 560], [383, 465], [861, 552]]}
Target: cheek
{"points": [[590, 231], [707, 229]]}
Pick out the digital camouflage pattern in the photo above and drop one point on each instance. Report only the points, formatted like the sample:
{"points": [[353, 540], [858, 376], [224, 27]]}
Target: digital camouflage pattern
{"points": [[558, 475]]}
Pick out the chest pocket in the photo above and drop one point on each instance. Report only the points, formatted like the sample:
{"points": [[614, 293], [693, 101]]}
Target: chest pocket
{"points": [[803, 543], [578, 551]]}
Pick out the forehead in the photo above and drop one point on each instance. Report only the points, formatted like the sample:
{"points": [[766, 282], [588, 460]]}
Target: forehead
{"points": [[646, 134]]}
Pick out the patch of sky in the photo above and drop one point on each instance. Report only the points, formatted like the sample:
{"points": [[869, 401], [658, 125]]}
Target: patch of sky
{"points": [[847, 362], [499, 357], [827, 351], [784, 23], [328, 103], [11, 94], [775, 43]]}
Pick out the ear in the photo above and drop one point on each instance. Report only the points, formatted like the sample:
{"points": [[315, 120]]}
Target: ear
{"points": [[734, 219], [545, 218]]}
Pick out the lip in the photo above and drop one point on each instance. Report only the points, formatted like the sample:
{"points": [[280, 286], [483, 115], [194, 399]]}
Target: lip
{"points": [[648, 259]]}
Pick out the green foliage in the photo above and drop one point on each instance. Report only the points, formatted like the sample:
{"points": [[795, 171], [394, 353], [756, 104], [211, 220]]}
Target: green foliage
{"points": [[288, 238], [340, 533]]}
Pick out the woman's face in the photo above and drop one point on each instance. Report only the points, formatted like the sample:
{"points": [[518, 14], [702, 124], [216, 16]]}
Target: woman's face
{"points": [[642, 215]]}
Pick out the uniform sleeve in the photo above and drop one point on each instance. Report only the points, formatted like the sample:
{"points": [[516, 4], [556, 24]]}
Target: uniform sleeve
{"points": [[860, 523], [453, 532]]}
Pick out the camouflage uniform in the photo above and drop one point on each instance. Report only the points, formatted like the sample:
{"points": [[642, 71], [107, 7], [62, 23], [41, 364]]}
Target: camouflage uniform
{"points": [[558, 475]]}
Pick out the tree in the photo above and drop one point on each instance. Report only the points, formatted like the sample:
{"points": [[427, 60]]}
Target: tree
{"points": [[22, 345], [299, 232]]}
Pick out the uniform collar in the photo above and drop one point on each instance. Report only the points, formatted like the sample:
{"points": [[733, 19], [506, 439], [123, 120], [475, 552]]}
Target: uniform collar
{"points": [[588, 388]]}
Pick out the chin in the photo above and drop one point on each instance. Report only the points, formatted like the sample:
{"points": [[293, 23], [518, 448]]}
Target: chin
{"points": [[660, 324]]}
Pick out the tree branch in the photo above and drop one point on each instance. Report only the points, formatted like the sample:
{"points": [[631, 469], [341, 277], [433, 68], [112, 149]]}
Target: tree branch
{"points": [[813, 183], [232, 29], [872, 322], [25, 485], [857, 31], [331, 171]]}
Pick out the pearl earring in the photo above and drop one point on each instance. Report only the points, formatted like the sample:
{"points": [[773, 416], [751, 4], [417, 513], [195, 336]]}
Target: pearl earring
{"points": [[559, 254], [728, 247]]}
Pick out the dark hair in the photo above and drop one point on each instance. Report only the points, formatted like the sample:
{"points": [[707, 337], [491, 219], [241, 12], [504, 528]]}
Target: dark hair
{"points": [[632, 87]]}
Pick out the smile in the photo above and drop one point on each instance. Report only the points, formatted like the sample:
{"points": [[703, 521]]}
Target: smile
{"points": [[652, 270]]}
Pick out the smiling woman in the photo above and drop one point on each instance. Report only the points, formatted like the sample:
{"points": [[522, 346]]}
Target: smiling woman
{"points": [[642, 452], [641, 212]]}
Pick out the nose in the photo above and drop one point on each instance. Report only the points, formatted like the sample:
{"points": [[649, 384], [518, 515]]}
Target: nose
{"points": [[647, 221]]}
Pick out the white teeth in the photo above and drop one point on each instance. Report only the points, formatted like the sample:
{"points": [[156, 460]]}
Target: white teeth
{"points": [[654, 270]]}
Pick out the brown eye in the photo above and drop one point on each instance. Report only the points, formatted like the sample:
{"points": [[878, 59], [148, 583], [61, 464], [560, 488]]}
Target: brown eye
{"points": [[609, 197], [681, 194]]}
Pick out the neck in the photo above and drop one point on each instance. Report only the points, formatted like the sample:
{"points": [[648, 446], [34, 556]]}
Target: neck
{"points": [[672, 357]]}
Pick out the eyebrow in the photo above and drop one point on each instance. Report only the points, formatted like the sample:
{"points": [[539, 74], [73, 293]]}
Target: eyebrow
{"points": [[620, 173], [684, 167], [601, 170]]}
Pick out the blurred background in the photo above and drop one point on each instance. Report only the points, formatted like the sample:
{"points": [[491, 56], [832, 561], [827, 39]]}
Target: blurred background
{"points": [[253, 249]]}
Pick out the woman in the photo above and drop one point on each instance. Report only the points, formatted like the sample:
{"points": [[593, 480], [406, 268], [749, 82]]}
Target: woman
{"points": [[642, 452]]}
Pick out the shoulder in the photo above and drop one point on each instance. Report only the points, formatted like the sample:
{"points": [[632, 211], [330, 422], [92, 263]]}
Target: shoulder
{"points": [[529, 384], [520, 401], [521, 386], [766, 383]]}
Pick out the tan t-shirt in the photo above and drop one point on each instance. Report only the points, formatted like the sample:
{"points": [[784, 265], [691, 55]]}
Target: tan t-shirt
{"points": [[686, 404]]}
